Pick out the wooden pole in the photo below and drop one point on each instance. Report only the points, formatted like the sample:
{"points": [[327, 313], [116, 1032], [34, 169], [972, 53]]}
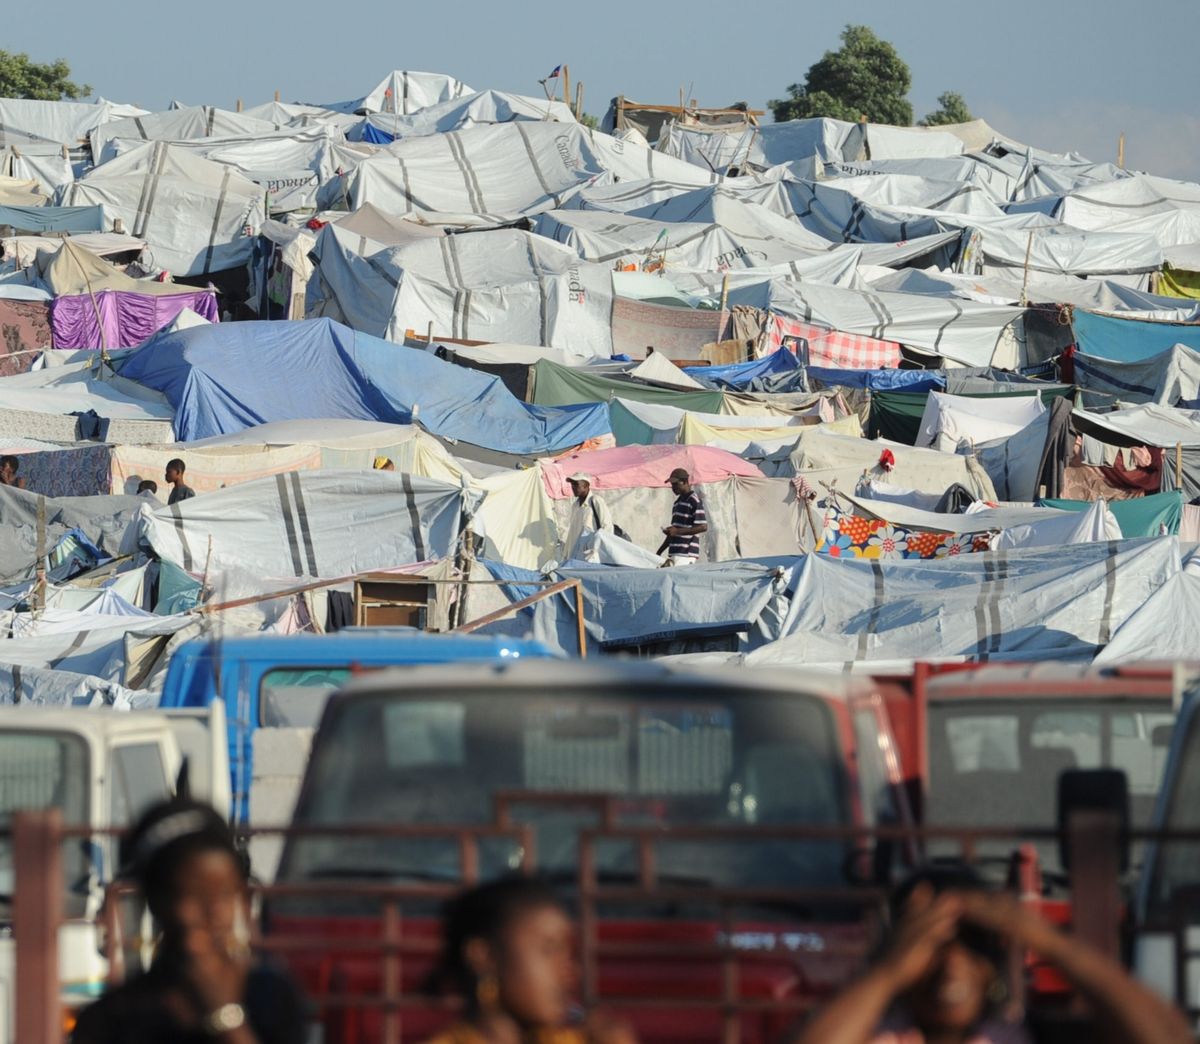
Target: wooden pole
{"points": [[1025, 280], [566, 84], [239, 105], [1121, 151], [40, 590], [580, 630], [579, 100], [277, 96], [1179, 465], [724, 293]]}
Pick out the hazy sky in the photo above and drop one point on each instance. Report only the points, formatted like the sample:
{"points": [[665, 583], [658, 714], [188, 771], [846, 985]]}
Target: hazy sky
{"points": [[1059, 74]]}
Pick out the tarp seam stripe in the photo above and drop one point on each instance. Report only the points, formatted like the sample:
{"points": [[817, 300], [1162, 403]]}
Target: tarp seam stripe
{"points": [[158, 169], [185, 547], [141, 203], [212, 116], [76, 642], [16, 676], [958, 313], [452, 145], [981, 629], [411, 499], [524, 135], [1101, 375], [137, 122], [285, 507], [997, 594], [407, 188], [1110, 590], [212, 236], [302, 518], [462, 149], [466, 315], [864, 636]]}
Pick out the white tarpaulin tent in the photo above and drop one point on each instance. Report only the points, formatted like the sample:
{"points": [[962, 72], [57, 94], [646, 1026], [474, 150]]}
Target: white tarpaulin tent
{"points": [[1164, 628], [485, 107], [502, 285], [964, 332], [1042, 603], [197, 216], [949, 419], [311, 524]]}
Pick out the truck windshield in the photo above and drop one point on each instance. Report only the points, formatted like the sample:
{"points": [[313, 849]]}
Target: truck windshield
{"points": [[1175, 870], [43, 770], [997, 762], [725, 760], [291, 697]]}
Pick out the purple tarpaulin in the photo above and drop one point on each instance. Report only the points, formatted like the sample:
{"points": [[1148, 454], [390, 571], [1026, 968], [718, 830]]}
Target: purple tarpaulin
{"points": [[128, 318]]}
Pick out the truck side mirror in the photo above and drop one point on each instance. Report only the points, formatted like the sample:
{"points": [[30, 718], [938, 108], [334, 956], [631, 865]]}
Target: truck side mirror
{"points": [[1102, 790]]}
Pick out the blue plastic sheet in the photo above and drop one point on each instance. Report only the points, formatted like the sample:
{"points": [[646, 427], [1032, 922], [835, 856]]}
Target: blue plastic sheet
{"points": [[53, 219], [1129, 340], [231, 376], [742, 376], [880, 380]]}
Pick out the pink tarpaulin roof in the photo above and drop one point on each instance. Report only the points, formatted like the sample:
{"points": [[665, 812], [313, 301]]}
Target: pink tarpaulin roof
{"points": [[627, 467]]}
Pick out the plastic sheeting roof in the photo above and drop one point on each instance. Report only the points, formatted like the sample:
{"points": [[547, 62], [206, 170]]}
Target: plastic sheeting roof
{"points": [[312, 524], [230, 376]]}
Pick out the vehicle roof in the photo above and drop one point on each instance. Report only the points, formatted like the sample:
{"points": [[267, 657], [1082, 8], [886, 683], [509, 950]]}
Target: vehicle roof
{"points": [[604, 673], [1150, 680], [372, 645], [96, 723]]}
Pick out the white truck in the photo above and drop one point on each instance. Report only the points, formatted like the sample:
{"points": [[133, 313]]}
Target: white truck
{"points": [[101, 769]]}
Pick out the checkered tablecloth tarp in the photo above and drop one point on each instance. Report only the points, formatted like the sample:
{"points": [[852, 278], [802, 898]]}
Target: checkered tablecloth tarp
{"points": [[835, 349]]}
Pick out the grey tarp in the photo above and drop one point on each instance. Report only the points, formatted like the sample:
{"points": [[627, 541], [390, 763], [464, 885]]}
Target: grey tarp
{"points": [[106, 521], [963, 331], [312, 524], [50, 688], [1171, 378], [632, 607], [1043, 603]]}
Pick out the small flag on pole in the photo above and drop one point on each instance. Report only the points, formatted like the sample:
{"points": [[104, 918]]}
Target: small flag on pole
{"points": [[557, 72]]}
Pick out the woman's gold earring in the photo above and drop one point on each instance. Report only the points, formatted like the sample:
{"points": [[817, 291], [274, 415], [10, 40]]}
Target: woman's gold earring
{"points": [[487, 992]]}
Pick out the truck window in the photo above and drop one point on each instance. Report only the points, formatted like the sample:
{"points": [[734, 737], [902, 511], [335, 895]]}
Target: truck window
{"points": [[139, 780], [290, 697], [1175, 874], [997, 762], [41, 771], [737, 760]]}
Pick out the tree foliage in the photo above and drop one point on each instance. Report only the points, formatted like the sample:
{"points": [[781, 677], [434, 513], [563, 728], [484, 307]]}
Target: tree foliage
{"points": [[864, 77], [45, 81], [953, 109]]}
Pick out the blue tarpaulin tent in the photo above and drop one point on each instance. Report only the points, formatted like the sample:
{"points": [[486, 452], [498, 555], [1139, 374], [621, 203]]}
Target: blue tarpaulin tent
{"points": [[880, 380], [230, 376], [1129, 340], [53, 219], [743, 376]]}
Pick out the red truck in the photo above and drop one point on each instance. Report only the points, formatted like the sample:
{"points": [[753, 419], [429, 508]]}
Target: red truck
{"points": [[708, 825], [983, 746]]}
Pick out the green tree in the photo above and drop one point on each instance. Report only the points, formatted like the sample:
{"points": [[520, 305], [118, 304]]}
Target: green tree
{"points": [[953, 110], [864, 77], [44, 81]]}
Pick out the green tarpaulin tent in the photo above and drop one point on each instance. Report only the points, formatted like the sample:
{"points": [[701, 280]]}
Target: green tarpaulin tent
{"points": [[1139, 517]]}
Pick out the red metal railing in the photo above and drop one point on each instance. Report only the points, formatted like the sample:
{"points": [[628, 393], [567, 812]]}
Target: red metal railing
{"points": [[38, 909]]}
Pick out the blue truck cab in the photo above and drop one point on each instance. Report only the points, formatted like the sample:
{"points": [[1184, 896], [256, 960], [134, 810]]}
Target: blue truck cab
{"points": [[282, 681]]}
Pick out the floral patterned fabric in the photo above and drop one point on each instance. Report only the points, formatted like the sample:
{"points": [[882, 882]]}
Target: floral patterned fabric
{"points": [[852, 536]]}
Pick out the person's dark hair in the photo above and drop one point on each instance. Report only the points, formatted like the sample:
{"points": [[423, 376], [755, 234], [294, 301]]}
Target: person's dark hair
{"points": [[13, 462], [177, 464], [147, 486], [483, 912], [952, 877], [164, 838]]}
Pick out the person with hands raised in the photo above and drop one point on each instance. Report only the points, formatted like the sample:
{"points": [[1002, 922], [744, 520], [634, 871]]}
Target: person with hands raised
{"points": [[940, 979]]}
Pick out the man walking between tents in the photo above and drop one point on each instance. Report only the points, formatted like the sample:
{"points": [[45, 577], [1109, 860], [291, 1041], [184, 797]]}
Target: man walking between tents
{"points": [[688, 521], [589, 515]]}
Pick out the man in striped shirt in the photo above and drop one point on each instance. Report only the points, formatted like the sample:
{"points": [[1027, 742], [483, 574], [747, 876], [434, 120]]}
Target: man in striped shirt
{"points": [[688, 521]]}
